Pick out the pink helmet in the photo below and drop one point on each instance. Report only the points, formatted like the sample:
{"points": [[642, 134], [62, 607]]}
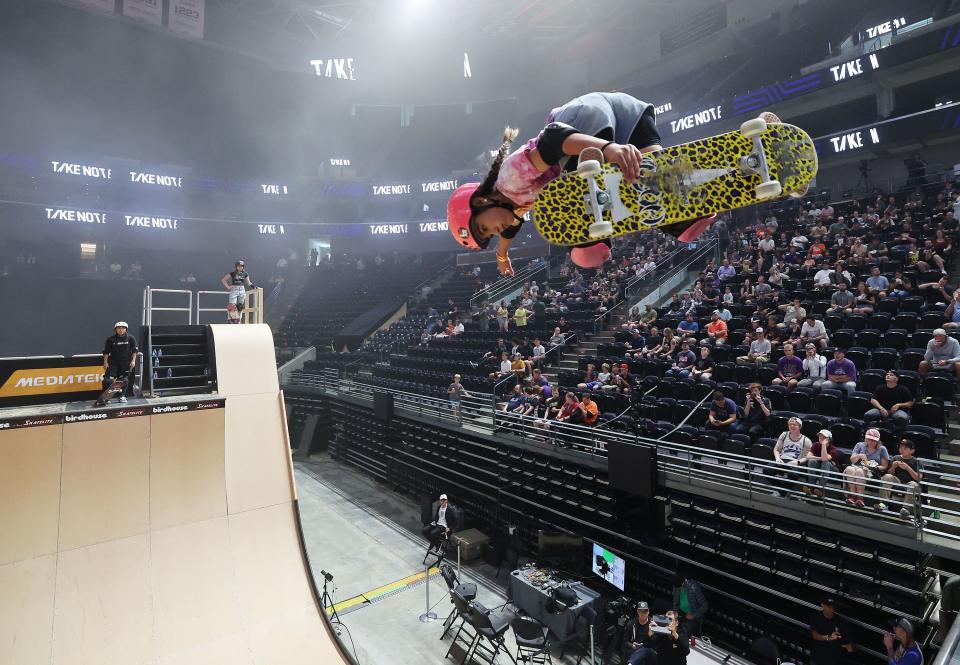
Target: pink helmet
{"points": [[460, 217]]}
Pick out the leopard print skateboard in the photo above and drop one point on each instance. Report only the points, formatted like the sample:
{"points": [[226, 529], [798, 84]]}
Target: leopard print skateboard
{"points": [[685, 182]]}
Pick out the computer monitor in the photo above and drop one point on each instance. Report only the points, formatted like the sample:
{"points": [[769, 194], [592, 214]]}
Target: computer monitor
{"points": [[608, 565]]}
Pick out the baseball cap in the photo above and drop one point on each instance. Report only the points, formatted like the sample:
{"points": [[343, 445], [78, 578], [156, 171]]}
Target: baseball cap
{"points": [[906, 624], [443, 497], [624, 366], [759, 330], [828, 600], [939, 331], [642, 605], [827, 433], [873, 433]]}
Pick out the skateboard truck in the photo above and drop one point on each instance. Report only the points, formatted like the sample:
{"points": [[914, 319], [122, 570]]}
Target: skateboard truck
{"points": [[757, 161], [597, 199]]}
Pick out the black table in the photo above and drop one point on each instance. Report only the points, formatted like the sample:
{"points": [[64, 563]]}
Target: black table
{"points": [[533, 600]]}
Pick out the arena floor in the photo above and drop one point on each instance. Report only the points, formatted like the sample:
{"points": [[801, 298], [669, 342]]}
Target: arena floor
{"points": [[368, 537]]}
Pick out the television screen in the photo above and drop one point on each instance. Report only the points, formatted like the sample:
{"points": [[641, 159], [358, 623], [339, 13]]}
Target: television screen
{"points": [[608, 565]]}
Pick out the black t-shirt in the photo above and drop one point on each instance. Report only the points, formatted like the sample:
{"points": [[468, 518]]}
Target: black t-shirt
{"points": [[901, 474], [890, 396], [756, 413], [238, 277], [829, 652], [120, 350], [654, 341], [634, 632], [672, 651], [705, 364]]}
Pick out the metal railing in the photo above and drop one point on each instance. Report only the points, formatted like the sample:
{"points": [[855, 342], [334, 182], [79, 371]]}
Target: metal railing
{"points": [[149, 308], [252, 311], [503, 287], [934, 512], [657, 281]]}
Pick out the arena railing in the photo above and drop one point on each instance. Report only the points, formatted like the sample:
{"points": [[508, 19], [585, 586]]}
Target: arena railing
{"points": [[504, 287], [660, 281], [934, 513]]}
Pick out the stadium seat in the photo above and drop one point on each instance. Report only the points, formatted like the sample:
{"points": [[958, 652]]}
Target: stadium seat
{"points": [[896, 338], [723, 372], [910, 380], [665, 409], [843, 338], [939, 386], [799, 400], [920, 337], [883, 358], [855, 321], [859, 356], [910, 359], [911, 304], [889, 304], [828, 402], [925, 439], [858, 403], [929, 413], [868, 338], [870, 380], [879, 321], [906, 321], [932, 319]]}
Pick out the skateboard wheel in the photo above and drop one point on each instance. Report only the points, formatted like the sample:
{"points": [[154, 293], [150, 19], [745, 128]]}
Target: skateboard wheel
{"points": [[588, 168], [600, 229], [769, 190], [753, 128]]}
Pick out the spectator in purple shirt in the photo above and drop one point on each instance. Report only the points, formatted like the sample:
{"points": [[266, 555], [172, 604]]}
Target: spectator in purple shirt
{"points": [[841, 373], [789, 368], [726, 271]]}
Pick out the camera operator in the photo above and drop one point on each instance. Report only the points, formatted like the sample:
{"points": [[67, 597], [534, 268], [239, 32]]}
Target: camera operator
{"points": [[638, 639]]}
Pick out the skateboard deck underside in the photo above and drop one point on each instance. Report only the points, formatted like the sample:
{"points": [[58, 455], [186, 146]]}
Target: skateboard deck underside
{"points": [[678, 184]]}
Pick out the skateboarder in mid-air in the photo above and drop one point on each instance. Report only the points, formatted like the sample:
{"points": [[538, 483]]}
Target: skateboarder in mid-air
{"points": [[119, 359], [617, 126], [236, 282]]}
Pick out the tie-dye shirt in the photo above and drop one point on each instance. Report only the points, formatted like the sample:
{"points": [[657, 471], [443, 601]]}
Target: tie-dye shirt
{"points": [[520, 180]]}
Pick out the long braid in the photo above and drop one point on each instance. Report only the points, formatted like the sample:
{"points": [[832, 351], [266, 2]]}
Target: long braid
{"points": [[486, 188]]}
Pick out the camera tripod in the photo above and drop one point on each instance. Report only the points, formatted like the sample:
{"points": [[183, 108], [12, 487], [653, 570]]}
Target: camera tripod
{"points": [[326, 600]]}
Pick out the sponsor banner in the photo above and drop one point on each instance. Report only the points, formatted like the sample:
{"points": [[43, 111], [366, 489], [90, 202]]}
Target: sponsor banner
{"points": [[186, 17], [30, 421], [148, 11], [52, 380], [102, 5], [110, 413]]}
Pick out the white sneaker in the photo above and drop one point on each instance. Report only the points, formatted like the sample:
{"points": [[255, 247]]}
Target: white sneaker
{"points": [[905, 514], [880, 507], [123, 399]]}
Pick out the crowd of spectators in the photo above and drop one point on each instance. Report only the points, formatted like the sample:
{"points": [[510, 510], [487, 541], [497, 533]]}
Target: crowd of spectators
{"points": [[847, 312]]}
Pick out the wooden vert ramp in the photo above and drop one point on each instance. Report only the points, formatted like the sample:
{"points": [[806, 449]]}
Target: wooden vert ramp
{"points": [[168, 534]]}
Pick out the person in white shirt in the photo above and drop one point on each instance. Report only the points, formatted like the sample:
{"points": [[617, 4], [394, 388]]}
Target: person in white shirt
{"points": [[539, 352], [814, 331], [814, 369], [821, 279]]}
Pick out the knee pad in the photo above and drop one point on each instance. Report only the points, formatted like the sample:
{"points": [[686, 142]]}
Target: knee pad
{"points": [[592, 256]]}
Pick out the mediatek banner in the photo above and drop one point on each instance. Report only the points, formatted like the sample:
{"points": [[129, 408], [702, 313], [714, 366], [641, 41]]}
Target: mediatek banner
{"points": [[26, 381]]}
